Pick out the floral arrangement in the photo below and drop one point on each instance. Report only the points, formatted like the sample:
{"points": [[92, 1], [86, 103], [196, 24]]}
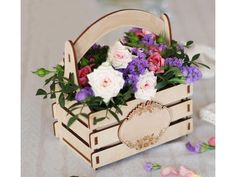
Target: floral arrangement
{"points": [[135, 67]]}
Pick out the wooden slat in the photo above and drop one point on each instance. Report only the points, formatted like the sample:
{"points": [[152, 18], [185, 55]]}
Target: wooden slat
{"points": [[165, 97], [77, 126], [75, 143], [121, 151], [109, 136], [174, 94]]}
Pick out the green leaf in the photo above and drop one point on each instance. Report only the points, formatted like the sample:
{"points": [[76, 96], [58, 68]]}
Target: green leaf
{"points": [[114, 115], [203, 65], [53, 95], [75, 104], [161, 39], [96, 120], [72, 120], [177, 81], [71, 78], [161, 85], [84, 115], [41, 72], [127, 95], [61, 100], [117, 109], [84, 62], [52, 86], [41, 92], [188, 43], [195, 57], [48, 80]]}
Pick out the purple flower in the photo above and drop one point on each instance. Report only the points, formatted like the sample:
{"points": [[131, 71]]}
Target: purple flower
{"points": [[180, 46], [176, 62], [132, 80], [84, 93], [135, 29], [139, 52], [96, 46], [137, 66], [198, 147], [194, 148], [148, 166], [191, 73], [134, 69], [148, 39]]}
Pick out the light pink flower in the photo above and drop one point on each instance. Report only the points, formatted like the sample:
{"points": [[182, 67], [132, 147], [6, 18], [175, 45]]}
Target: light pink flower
{"points": [[119, 56]]}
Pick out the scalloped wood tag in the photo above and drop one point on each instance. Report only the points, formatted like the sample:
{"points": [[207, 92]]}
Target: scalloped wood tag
{"points": [[144, 125]]}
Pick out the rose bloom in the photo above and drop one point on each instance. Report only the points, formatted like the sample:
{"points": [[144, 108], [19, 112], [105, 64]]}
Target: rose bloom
{"points": [[156, 62], [142, 32], [146, 86], [82, 75], [119, 56], [106, 82]]}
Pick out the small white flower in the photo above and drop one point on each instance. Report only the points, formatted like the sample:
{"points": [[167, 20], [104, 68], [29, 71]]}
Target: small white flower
{"points": [[106, 82], [146, 86], [119, 56]]}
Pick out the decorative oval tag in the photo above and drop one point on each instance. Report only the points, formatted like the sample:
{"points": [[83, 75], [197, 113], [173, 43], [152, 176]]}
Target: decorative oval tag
{"points": [[144, 125]]}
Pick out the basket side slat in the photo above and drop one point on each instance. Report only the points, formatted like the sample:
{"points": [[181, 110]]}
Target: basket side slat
{"points": [[121, 151], [109, 136], [79, 128]]}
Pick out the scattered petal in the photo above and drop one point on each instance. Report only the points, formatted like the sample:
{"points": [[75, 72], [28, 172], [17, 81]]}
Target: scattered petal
{"points": [[169, 171], [211, 141]]}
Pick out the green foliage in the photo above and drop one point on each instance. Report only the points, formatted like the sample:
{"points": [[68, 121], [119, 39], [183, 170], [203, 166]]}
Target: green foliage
{"points": [[72, 120], [99, 55], [41, 72], [171, 76], [161, 39], [188, 44], [133, 40]]}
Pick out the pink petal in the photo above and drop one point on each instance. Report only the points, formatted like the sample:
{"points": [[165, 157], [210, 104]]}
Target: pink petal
{"points": [[167, 171], [184, 172], [211, 141]]}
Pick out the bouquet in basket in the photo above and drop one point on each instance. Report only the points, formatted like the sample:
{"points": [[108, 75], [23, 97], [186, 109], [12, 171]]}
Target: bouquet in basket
{"points": [[135, 67]]}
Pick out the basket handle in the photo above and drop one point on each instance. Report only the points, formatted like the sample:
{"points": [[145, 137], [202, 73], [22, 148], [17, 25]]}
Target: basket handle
{"points": [[74, 51]]}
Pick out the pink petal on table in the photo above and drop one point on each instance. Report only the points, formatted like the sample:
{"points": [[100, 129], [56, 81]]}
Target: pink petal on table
{"points": [[184, 172], [211, 141], [167, 171]]}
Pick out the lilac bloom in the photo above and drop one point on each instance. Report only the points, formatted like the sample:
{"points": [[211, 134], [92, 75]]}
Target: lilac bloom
{"points": [[191, 73], [84, 93], [176, 62]]}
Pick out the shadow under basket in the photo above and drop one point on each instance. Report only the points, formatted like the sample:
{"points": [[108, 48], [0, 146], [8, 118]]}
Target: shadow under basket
{"points": [[143, 125]]}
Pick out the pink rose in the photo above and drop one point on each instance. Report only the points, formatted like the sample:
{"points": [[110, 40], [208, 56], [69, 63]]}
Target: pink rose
{"points": [[82, 75], [156, 62], [143, 32], [211, 141]]}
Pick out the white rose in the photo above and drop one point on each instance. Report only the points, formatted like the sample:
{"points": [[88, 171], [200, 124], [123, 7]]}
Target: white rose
{"points": [[106, 82], [119, 56], [146, 86]]}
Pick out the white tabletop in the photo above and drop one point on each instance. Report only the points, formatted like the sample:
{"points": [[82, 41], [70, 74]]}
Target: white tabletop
{"points": [[46, 25]]}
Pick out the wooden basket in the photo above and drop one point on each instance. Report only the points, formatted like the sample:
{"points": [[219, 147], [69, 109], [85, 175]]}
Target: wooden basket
{"points": [[143, 124]]}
